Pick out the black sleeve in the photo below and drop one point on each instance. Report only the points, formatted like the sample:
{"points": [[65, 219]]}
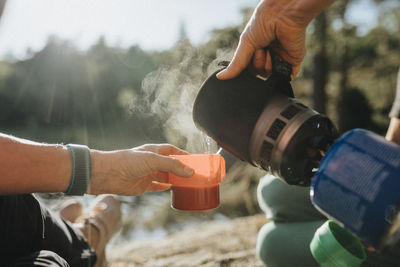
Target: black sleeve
{"points": [[395, 112]]}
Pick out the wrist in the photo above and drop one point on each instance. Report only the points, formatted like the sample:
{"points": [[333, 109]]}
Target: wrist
{"points": [[100, 162]]}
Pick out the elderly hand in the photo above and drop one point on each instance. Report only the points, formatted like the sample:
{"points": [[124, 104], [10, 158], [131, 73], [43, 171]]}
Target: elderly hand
{"points": [[135, 171], [280, 24]]}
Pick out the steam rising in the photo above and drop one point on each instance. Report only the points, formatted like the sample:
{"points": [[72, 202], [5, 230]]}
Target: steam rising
{"points": [[170, 92]]}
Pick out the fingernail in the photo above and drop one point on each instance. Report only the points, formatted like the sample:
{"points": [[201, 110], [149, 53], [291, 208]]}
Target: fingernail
{"points": [[162, 186], [188, 171], [220, 73]]}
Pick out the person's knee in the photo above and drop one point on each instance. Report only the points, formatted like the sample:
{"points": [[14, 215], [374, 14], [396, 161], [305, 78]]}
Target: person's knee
{"points": [[265, 244], [271, 248], [262, 192], [285, 203], [278, 240]]}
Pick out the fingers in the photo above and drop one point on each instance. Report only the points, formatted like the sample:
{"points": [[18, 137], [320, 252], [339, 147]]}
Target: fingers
{"points": [[159, 176], [163, 149], [259, 61], [295, 71], [169, 164], [158, 160], [262, 64], [241, 59], [157, 186], [167, 149], [268, 63], [157, 181]]}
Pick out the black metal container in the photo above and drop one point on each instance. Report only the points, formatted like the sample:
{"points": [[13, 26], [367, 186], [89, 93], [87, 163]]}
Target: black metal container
{"points": [[260, 122]]}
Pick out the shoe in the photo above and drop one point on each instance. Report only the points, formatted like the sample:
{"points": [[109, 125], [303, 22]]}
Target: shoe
{"points": [[100, 223], [70, 210]]}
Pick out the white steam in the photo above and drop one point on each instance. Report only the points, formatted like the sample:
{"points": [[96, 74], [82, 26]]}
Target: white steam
{"points": [[170, 92]]}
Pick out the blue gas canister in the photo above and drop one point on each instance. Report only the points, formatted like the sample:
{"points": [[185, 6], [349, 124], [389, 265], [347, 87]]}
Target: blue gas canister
{"points": [[358, 185]]}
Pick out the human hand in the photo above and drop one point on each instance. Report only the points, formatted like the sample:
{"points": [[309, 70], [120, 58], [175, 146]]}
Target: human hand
{"points": [[136, 171], [279, 24], [393, 132]]}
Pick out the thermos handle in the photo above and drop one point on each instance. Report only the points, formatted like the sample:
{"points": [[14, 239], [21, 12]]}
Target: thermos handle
{"points": [[279, 65]]}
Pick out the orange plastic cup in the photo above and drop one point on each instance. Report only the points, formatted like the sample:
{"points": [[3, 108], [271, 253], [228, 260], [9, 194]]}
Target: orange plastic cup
{"points": [[201, 191]]}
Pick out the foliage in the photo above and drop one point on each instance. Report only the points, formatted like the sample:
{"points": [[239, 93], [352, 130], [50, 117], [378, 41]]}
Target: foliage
{"points": [[109, 97], [356, 111], [82, 94]]}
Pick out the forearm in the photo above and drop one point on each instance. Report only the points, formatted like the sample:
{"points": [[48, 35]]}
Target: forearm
{"points": [[393, 132], [395, 112], [27, 167]]}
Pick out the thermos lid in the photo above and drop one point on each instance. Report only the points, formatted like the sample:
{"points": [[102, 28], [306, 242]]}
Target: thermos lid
{"points": [[334, 246]]}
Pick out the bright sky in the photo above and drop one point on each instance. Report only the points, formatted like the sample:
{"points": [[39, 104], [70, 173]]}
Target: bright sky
{"points": [[153, 24]]}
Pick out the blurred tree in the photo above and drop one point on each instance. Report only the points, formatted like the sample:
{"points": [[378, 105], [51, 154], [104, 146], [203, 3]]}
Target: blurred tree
{"points": [[355, 111], [320, 63], [345, 32], [46, 86], [109, 97], [60, 87]]}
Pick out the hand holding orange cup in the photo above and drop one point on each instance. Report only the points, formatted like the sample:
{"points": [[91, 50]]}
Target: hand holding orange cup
{"points": [[201, 191]]}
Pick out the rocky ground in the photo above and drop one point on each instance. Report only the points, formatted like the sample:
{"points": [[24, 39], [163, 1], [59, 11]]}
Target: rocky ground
{"points": [[216, 243]]}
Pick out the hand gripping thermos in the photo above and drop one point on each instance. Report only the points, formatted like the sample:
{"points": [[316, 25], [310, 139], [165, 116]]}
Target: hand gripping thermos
{"points": [[260, 121]]}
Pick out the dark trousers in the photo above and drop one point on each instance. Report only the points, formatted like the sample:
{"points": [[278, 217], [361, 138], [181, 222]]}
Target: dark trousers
{"points": [[285, 240], [31, 235]]}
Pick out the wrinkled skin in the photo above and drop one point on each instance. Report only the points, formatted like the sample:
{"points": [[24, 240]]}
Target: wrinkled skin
{"points": [[279, 24], [136, 171]]}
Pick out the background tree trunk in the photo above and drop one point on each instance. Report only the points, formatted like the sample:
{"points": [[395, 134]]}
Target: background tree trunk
{"points": [[320, 64]]}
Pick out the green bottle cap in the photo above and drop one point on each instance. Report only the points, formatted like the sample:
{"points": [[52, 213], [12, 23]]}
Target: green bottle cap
{"points": [[334, 246]]}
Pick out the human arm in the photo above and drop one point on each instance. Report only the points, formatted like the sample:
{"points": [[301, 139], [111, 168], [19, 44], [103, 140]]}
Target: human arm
{"points": [[393, 132], [136, 171], [280, 24], [28, 167]]}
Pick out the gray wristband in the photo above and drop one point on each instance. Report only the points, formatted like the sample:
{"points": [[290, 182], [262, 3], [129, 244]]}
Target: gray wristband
{"points": [[81, 169]]}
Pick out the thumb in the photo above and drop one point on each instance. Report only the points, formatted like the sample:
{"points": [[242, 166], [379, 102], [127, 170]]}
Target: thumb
{"points": [[169, 164], [240, 61]]}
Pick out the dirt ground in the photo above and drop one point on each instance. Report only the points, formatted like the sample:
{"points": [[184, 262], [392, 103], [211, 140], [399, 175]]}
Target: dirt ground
{"points": [[216, 243]]}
